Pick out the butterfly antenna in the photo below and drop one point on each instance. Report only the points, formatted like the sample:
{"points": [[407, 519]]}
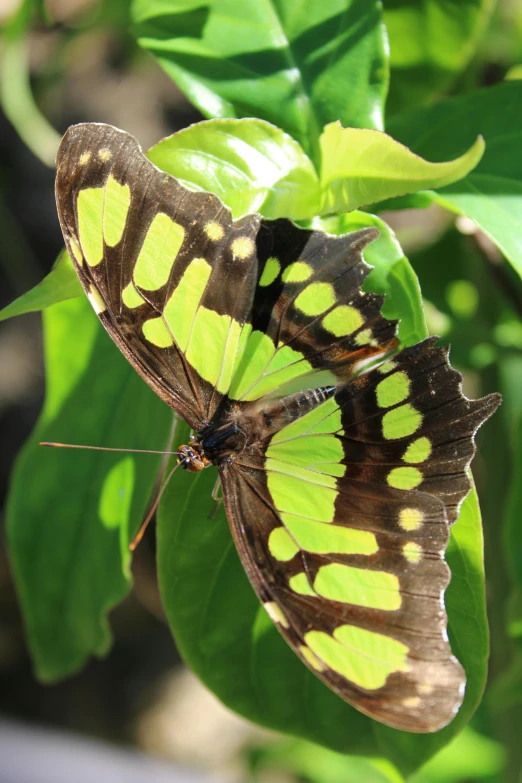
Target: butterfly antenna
{"points": [[139, 535], [107, 448]]}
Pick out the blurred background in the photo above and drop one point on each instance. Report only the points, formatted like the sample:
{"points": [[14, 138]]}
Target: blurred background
{"points": [[78, 62]]}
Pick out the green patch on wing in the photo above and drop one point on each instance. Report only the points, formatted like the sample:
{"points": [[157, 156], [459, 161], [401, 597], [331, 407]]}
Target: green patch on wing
{"points": [[363, 657], [261, 368]]}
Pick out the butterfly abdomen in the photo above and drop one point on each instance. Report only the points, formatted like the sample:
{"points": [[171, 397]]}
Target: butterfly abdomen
{"points": [[288, 409]]}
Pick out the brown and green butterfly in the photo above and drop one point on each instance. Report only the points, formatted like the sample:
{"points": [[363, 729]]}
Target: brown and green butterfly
{"points": [[343, 460]]}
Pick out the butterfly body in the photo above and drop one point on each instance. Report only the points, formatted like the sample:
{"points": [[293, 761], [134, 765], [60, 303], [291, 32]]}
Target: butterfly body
{"points": [[343, 459], [239, 431]]}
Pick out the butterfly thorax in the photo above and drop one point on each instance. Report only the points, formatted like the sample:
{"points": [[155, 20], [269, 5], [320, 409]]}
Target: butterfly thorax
{"points": [[239, 428]]}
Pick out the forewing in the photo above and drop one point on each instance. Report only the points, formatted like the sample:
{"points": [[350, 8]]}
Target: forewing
{"points": [[342, 526], [167, 271], [311, 324]]}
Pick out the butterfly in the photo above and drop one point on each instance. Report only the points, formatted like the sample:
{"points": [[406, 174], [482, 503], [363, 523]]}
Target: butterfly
{"points": [[343, 459]]}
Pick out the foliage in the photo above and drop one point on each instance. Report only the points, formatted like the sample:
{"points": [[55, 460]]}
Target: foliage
{"points": [[491, 194], [296, 95]]}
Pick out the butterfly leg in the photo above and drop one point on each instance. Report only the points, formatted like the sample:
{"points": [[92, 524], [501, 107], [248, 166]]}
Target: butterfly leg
{"points": [[218, 497]]}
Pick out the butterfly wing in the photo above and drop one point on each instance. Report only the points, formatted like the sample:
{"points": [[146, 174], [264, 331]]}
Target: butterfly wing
{"points": [[311, 324], [342, 525], [158, 264]]}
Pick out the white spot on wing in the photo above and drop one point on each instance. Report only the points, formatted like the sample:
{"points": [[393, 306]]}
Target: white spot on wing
{"points": [[96, 300], [242, 247], [275, 614]]}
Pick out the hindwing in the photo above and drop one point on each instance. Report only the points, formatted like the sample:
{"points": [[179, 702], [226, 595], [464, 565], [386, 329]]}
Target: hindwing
{"points": [[342, 526]]}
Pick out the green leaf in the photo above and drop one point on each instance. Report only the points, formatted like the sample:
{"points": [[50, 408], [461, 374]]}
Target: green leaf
{"points": [[420, 200], [296, 65], [250, 164], [360, 167], [60, 284], [491, 195], [392, 274], [466, 605], [310, 762], [229, 642], [71, 515], [431, 42], [255, 167], [469, 757]]}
